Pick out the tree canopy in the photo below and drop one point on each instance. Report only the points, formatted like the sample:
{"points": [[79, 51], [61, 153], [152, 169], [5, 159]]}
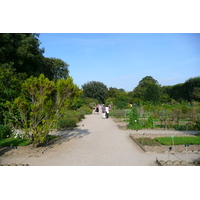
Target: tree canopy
{"points": [[96, 90], [22, 52], [143, 89]]}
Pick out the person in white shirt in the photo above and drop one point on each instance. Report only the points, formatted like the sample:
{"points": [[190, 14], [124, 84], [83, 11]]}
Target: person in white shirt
{"points": [[107, 112]]}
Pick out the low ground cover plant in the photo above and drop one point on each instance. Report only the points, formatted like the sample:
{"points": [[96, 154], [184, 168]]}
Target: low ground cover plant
{"points": [[148, 141], [178, 140], [14, 142], [195, 140]]}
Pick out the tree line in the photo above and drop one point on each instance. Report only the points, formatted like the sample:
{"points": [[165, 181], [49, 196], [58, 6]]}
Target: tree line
{"points": [[148, 90], [35, 91]]}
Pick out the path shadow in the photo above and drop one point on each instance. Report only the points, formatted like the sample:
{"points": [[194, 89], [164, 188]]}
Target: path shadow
{"points": [[68, 135], [3, 150]]}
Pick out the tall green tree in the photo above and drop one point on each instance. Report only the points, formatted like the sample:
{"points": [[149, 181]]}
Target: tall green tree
{"points": [[191, 89], [55, 68], [142, 91], [21, 49], [96, 90], [152, 93]]}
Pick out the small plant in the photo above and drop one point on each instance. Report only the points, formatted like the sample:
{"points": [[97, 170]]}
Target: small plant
{"points": [[18, 134], [134, 122]]}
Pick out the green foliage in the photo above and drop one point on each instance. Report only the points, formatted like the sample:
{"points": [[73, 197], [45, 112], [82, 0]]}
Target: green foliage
{"points": [[112, 93], [148, 141], [149, 122], [95, 90], [188, 126], [85, 110], [121, 101], [134, 122], [188, 91], [179, 140], [5, 131], [55, 68], [42, 103], [67, 123], [90, 102], [140, 91], [152, 93], [23, 50], [118, 113], [10, 86], [10, 142]]}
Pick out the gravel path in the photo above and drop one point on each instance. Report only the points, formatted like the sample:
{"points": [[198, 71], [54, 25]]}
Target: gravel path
{"points": [[95, 142]]}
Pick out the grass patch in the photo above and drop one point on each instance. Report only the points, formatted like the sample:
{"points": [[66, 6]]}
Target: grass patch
{"points": [[147, 141], [11, 142], [14, 142], [178, 140]]}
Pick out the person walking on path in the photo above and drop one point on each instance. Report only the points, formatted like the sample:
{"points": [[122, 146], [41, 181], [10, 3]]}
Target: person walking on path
{"points": [[103, 112], [97, 109], [107, 111]]}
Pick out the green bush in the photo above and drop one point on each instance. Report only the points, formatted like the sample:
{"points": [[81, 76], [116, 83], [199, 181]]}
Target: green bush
{"points": [[85, 110], [149, 123], [188, 126], [5, 131], [67, 123]]}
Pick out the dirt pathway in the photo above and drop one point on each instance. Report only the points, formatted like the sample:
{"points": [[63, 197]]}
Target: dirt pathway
{"points": [[96, 142]]}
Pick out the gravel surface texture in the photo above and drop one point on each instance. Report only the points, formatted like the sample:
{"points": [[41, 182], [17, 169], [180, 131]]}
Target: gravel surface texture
{"points": [[95, 142]]}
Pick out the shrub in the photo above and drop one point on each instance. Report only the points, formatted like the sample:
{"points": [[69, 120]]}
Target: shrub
{"points": [[118, 113], [149, 122], [134, 122], [188, 126], [67, 123], [85, 110], [5, 131]]}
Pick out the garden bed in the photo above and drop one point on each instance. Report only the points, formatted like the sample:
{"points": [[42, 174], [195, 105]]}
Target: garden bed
{"points": [[155, 147]]}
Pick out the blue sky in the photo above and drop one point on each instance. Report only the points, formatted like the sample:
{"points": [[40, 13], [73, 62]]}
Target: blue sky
{"points": [[121, 60]]}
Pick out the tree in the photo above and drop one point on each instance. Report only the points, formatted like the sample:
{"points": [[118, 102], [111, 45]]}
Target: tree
{"points": [[152, 93], [196, 94], [10, 87], [21, 49], [55, 68], [95, 90], [41, 103], [112, 92], [191, 88], [147, 80], [141, 92]]}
